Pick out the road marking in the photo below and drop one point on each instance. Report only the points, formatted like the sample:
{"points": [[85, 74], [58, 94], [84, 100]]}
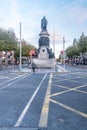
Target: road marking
{"points": [[84, 92], [59, 93], [45, 109], [29, 103], [72, 79], [74, 88], [3, 77], [69, 89], [56, 78], [15, 80], [69, 108], [57, 85], [77, 81]]}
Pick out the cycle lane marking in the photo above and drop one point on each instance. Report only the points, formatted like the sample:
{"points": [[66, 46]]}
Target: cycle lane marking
{"points": [[17, 124], [45, 108]]}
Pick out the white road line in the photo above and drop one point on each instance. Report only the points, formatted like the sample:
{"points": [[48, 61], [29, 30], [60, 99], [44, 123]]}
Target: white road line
{"points": [[72, 79], [69, 89], [45, 109], [4, 77], [69, 108], [13, 79], [29, 104], [74, 89], [59, 93], [80, 91], [16, 79], [56, 78], [59, 86], [77, 81]]}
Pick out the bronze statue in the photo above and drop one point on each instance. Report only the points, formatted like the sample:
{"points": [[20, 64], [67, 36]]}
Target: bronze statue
{"points": [[44, 23]]}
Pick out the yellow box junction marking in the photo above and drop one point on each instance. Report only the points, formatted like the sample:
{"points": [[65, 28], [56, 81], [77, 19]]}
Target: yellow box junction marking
{"points": [[69, 108]]}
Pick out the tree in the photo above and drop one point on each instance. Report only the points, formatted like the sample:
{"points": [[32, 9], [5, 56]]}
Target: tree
{"points": [[7, 40], [82, 43], [79, 47], [26, 48], [72, 51]]}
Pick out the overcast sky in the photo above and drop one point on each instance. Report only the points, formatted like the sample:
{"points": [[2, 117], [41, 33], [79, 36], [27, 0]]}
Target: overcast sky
{"points": [[67, 18]]}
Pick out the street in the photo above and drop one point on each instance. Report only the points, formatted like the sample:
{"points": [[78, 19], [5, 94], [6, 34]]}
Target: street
{"points": [[40, 100], [68, 100]]}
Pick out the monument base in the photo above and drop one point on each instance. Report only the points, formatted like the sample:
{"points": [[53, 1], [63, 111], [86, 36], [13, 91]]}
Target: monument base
{"points": [[43, 53], [44, 63]]}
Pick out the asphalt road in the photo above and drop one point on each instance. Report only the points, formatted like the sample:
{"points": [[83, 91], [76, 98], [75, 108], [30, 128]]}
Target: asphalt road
{"points": [[44, 101]]}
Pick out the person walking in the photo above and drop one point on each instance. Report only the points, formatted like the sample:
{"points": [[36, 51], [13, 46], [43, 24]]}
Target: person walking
{"points": [[33, 67]]}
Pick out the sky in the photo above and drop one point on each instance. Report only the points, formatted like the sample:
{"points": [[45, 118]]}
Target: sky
{"points": [[66, 18]]}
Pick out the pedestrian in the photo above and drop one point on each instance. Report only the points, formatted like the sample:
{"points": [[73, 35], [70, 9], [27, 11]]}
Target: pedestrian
{"points": [[33, 67]]}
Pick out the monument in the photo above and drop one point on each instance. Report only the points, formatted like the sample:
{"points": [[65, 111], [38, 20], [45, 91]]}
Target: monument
{"points": [[44, 50], [45, 57]]}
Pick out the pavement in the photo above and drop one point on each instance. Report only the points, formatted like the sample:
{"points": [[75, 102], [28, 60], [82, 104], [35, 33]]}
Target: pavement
{"points": [[26, 70], [58, 68], [74, 65]]}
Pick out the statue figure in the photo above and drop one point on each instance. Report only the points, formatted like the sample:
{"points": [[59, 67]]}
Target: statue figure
{"points": [[44, 41], [44, 23]]}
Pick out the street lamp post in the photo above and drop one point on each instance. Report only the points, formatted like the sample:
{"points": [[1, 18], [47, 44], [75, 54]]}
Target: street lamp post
{"points": [[20, 47], [64, 51]]}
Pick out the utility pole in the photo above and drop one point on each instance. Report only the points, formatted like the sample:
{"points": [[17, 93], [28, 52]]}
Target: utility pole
{"points": [[64, 51], [20, 48]]}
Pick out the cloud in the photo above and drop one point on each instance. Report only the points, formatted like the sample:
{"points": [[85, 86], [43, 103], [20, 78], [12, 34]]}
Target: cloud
{"points": [[75, 12], [11, 15]]}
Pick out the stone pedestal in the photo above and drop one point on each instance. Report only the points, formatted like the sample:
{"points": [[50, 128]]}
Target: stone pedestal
{"points": [[43, 53], [45, 63]]}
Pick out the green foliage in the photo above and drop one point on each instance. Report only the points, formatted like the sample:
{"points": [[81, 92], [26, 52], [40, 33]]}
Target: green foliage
{"points": [[72, 51], [78, 47], [8, 42], [82, 44], [26, 49]]}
